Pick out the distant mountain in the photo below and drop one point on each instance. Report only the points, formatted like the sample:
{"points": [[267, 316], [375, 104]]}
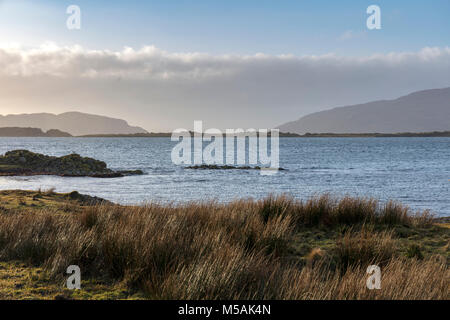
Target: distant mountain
{"points": [[75, 123], [31, 132], [421, 111]]}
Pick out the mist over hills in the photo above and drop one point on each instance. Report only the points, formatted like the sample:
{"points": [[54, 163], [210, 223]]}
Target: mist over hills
{"points": [[421, 111], [75, 123]]}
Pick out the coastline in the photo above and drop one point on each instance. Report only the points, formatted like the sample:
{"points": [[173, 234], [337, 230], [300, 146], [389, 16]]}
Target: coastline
{"points": [[294, 135], [281, 135]]}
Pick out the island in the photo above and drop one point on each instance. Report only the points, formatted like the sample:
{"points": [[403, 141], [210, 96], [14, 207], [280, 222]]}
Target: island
{"points": [[32, 132], [27, 163]]}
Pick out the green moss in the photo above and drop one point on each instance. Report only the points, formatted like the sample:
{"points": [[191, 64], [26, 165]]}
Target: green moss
{"points": [[21, 281], [32, 201]]}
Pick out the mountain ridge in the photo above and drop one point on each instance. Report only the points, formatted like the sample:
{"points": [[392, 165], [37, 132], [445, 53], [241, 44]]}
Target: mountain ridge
{"points": [[419, 111], [73, 122]]}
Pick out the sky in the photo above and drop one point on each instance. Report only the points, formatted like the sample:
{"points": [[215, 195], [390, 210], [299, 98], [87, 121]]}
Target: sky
{"points": [[249, 63]]}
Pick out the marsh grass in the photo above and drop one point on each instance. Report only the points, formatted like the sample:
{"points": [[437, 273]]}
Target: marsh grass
{"points": [[364, 248], [240, 250]]}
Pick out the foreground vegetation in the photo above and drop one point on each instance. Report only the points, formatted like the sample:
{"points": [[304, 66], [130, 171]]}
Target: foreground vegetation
{"points": [[275, 248]]}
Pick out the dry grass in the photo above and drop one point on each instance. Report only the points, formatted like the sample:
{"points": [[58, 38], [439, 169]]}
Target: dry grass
{"points": [[401, 279], [241, 250], [364, 248], [328, 211]]}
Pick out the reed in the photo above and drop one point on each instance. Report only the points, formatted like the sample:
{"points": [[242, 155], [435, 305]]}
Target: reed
{"points": [[240, 250]]}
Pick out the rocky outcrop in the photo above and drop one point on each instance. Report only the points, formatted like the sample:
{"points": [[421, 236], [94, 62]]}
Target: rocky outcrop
{"points": [[87, 200], [24, 162], [227, 167]]}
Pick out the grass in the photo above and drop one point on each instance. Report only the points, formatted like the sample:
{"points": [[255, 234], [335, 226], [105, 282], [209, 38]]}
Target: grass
{"points": [[275, 248], [19, 280]]}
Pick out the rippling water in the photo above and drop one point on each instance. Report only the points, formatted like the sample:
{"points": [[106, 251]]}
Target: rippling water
{"points": [[415, 171]]}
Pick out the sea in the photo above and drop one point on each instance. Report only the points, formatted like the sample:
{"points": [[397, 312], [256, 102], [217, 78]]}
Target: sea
{"points": [[413, 170]]}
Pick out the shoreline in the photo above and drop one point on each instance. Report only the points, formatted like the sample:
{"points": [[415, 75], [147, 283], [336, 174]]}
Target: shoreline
{"points": [[434, 134], [88, 199], [439, 217]]}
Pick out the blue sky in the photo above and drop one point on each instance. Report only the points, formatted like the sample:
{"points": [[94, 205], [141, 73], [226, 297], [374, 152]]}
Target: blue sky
{"points": [[230, 26]]}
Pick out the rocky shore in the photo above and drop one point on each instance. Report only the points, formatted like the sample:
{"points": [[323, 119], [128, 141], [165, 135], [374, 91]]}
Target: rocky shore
{"points": [[27, 163]]}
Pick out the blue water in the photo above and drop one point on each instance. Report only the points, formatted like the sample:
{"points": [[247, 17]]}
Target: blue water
{"points": [[415, 171]]}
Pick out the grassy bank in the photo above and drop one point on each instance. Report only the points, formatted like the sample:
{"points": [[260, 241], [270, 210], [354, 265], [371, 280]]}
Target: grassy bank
{"points": [[275, 248]]}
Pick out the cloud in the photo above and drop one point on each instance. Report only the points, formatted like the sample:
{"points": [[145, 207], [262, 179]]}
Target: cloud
{"points": [[153, 63], [350, 34], [160, 90], [146, 63]]}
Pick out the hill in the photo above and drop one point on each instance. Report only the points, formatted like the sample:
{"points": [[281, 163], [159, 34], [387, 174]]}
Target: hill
{"points": [[421, 111], [31, 132], [75, 123]]}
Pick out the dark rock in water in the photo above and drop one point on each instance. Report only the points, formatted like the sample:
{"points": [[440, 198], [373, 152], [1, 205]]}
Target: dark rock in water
{"points": [[107, 175], [118, 174], [131, 172], [228, 167], [24, 162]]}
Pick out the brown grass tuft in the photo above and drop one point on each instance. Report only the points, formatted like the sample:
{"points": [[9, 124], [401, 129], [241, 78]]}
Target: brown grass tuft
{"points": [[364, 248]]}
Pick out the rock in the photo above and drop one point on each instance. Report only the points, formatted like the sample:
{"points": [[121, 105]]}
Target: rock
{"points": [[74, 195], [228, 167], [24, 162], [86, 199], [131, 172]]}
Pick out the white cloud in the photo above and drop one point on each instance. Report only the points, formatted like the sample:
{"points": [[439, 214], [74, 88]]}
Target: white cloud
{"points": [[161, 90], [153, 63], [350, 34]]}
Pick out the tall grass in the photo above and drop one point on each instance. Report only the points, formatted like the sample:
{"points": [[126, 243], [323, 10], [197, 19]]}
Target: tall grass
{"points": [[327, 211], [225, 251], [364, 248], [400, 279]]}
